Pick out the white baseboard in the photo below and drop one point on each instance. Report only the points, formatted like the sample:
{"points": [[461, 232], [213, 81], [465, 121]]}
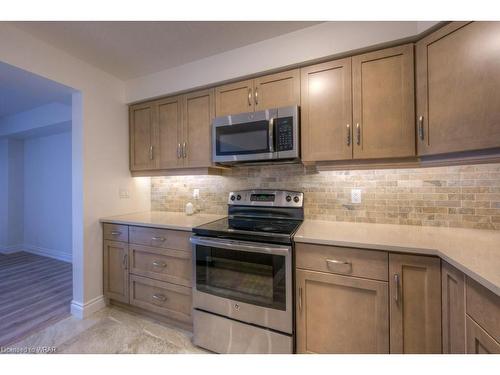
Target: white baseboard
{"points": [[83, 310], [50, 253], [11, 249]]}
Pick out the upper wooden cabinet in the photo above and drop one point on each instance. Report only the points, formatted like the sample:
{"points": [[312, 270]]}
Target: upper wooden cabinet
{"points": [[198, 113], [326, 111], [172, 133], [415, 304], [169, 132], [360, 107], [271, 91], [458, 96], [143, 142], [383, 103]]}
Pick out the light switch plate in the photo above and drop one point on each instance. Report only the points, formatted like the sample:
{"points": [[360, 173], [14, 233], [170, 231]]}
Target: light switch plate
{"points": [[196, 193], [355, 195]]}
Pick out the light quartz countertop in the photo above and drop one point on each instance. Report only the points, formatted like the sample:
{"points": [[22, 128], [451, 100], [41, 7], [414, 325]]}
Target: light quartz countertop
{"points": [[475, 252], [161, 219]]}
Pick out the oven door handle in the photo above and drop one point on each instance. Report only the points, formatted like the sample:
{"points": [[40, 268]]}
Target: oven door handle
{"points": [[242, 246]]}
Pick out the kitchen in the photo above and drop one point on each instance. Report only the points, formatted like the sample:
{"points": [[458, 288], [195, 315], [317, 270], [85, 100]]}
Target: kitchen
{"points": [[346, 203]]}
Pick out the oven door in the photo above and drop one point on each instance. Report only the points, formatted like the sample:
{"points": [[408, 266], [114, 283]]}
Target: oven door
{"points": [[244, 137], [247, 281]]}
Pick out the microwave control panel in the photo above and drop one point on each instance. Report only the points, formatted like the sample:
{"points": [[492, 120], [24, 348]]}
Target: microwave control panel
{"points": [[284, 133]]}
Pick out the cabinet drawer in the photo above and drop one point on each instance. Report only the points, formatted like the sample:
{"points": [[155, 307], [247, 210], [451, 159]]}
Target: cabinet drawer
{"points": [[170, 300], [341, 260], [165, 238], [115, 232], [478, 340], [173, 266], [484, 307]]}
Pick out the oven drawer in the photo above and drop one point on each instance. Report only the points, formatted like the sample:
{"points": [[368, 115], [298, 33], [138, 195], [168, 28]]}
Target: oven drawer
{"points": [[165, 238], [168, 265], [227, 336], [173, 301], [115, 232], [344, 261]]}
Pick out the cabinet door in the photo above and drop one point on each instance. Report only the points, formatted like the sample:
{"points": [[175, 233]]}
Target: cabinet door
{"points": [[453, 309], [170, 132], [326, 111], [383, 103], [115, 267], [277, 90], [341, 314], [458, 76], [415, 304], [478, 340], [198, 109], [234, 98], [142, 137]]}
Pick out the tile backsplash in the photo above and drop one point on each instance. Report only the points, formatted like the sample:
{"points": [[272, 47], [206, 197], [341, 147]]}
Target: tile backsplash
{"points": [[455, 196]]}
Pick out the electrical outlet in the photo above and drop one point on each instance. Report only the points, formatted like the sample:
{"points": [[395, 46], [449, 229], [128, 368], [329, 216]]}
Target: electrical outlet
{"points": [[124, 194], [196, 193], [355, 195]]}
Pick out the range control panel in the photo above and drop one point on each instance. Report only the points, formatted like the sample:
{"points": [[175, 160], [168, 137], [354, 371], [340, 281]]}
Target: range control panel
{"points": [[284, 133], [266, 198]]}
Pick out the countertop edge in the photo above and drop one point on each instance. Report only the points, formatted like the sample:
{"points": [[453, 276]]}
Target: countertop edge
{"points": [[148, 225], [423, 251]]}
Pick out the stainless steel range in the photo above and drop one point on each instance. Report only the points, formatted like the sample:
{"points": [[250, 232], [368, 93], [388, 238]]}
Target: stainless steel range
{"points": [[242, 295]]}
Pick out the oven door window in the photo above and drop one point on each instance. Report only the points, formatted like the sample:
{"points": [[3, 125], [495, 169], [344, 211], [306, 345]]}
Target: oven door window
{"points": [[254, 278], [239, 139]]}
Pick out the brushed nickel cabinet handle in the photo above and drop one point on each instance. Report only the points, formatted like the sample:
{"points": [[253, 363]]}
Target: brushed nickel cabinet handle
{"points": [[150, 152], [348, 134], [158, 263], [162, 239], [334, 262], [421, 128], [178, 150], [115, 232], [397, 284], [159, 297], [256, 96], [125, 261], [184, 152], [249, 97], [300, 298], [358, 134]]}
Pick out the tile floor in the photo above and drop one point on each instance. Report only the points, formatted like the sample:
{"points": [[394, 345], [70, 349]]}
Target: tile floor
{"points": [[111, 330]]}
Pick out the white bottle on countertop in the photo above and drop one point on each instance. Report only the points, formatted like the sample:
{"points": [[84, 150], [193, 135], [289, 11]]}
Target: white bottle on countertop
{"points": [[189, 209]]}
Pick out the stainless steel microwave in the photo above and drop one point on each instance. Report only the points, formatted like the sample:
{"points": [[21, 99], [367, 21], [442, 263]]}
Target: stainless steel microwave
{"points": [[270, 135]]}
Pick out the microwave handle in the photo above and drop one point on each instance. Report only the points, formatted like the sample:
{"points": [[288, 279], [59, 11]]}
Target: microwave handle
{"points": [[271, 134]]}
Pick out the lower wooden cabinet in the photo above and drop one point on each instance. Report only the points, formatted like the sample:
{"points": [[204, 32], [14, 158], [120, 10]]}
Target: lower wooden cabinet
{"points": [[452, 309], [415, 303], [479, 341], [115, 265], [341, 314]]}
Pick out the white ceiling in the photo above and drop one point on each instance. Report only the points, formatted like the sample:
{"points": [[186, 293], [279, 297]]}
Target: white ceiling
{"points": [[132, 49], [21, 90]]}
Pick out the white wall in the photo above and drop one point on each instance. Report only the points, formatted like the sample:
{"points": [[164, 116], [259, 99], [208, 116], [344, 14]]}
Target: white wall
{"points": [[47, 196], [309, 44], [11, 195], [100, 153]]}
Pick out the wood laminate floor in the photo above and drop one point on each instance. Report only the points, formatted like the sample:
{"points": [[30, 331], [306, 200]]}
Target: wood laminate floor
{"points": [[35, 291]]}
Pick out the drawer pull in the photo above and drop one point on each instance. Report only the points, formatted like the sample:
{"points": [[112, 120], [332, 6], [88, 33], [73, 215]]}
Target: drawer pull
{"points": [[115, 233], [158, 263], [396, 289], [159, 297], [162, 239], [334, 262], [300, 299]]}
